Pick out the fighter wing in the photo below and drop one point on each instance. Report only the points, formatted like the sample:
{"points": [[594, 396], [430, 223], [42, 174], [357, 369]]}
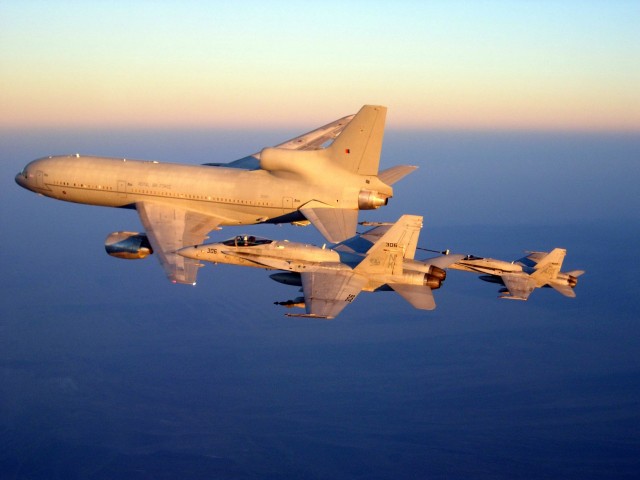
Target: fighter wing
{"points": [[419, 296], [520, 285], [326, 294], [169, 229]]}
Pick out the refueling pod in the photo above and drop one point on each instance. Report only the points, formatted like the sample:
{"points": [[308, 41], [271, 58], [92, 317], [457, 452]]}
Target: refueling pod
{"points": [[128, 245]]}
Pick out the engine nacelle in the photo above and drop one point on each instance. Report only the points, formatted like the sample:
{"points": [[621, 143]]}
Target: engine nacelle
{"points": [[128, 245], [438, 273], [370, 200], [572, 281], [432, 282], [424, 279]]}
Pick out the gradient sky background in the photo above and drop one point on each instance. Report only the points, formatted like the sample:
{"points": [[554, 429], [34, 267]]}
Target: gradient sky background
{"points": [[489, 64], [109, 371]]}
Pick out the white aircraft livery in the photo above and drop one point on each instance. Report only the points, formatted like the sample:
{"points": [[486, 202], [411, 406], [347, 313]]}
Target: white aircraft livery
{"points": [[521, 277], [331, 278], [299, 181]]}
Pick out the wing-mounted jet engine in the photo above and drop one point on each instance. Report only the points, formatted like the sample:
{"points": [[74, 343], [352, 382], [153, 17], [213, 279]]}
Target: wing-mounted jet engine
{"points": [[128, 245]]}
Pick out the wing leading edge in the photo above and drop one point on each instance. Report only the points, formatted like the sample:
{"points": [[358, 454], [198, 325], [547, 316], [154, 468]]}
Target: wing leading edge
{"points": [[169, 229]]}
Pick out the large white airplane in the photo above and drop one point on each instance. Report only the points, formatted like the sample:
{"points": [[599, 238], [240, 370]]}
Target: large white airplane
{"points": [[299, 181]]}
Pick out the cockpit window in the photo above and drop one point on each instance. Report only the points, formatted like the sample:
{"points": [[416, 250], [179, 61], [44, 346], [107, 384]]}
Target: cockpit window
{"points": [[246, 241]]}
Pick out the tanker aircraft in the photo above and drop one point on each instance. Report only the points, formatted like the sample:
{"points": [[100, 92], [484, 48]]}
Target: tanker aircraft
{"points": [[381, 258], [521, 277], [300, 181]]}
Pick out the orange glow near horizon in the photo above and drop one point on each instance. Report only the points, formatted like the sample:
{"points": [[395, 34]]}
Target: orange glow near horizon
{"points": [[448, 111], [482, 68]]}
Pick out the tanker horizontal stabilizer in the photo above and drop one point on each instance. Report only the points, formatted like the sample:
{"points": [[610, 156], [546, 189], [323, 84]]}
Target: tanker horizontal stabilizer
{"points": [[395, 174], [335, 224]]}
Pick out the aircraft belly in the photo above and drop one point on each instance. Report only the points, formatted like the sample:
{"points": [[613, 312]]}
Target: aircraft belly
{"points": [[236, 196]]}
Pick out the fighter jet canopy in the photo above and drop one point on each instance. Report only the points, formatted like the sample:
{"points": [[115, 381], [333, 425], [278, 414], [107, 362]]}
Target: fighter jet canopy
{"points": [[246, 241]]}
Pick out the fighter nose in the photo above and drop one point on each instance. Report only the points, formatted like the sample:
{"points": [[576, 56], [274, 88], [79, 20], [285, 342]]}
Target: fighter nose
{"points": [[189, 252]]}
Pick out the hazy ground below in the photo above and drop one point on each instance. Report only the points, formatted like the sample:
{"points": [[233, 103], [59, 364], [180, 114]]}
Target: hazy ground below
{"points": [[108, 371]]}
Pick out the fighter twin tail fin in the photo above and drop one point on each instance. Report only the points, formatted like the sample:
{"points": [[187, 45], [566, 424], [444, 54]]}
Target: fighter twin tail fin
{"points": [[387, 254]]}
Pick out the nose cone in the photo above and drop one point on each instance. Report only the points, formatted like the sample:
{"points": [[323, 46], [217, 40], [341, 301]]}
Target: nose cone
{"points": [[21, 180], [189, 252]]}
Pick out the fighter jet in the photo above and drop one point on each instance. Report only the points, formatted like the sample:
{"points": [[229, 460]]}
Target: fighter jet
{"points": [[331, 278], [521, 277], [299, 181]]}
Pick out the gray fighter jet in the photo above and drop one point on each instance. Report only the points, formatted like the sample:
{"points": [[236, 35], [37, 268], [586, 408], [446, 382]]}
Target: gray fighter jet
{"points": [[381, 258], [299, 181], [521, 277]]}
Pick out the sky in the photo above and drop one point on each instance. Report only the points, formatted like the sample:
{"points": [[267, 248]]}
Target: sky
{"points": [[568, 65]]}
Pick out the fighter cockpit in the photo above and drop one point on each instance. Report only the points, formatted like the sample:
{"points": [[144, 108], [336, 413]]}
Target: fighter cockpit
{"points": [[246, 241]]}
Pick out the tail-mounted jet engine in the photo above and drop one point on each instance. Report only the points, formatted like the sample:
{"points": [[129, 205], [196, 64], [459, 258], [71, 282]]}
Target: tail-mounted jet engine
{"points": [[433, 279], [128, 245], [370, 200], [572, 280]]}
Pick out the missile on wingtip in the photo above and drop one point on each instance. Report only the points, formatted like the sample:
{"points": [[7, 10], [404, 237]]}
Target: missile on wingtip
{"points": [[297, 302]]}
